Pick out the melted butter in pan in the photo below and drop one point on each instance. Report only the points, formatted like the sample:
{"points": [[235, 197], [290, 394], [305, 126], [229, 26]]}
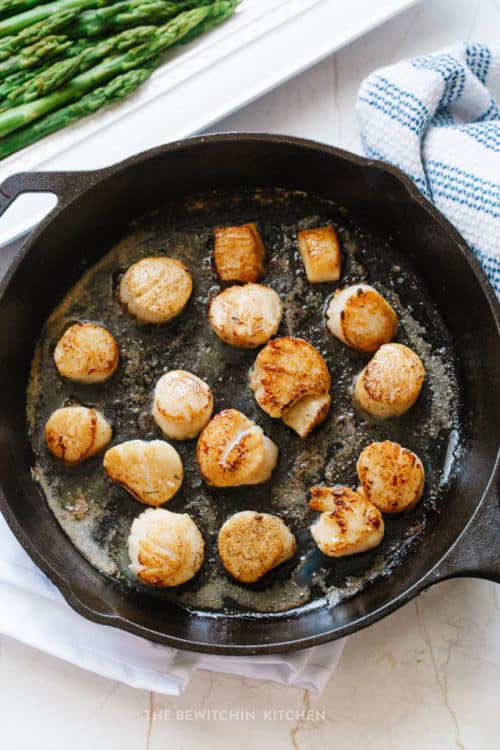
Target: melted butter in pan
{"points": [[97, 514]]}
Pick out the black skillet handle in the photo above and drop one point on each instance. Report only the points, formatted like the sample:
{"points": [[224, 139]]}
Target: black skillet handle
{"points": [[476, 553], [64, 185]]}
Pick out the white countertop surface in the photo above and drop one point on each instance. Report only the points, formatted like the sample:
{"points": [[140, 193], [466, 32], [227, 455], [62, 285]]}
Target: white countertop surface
{"points": [[425, 677]]}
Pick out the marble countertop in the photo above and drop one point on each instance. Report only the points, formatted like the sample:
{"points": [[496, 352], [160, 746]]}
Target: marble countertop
{"points": [[427, 676]]}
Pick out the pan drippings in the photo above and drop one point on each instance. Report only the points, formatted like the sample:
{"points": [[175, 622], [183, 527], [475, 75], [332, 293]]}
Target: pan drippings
{"points": [[97, 514]]}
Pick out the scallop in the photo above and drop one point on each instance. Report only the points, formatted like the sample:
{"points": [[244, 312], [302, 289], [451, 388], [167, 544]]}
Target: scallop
{"points": [[86, 353], [239, 253], [165, 548], [151, 471], [183, 404], [290, 380], [251, 544], [156, 289], [392, 477], [308, 413], [320, 252], [232, 450], [391, 382], [75, 433], [245, 316], [361, 318], [348, 523]]}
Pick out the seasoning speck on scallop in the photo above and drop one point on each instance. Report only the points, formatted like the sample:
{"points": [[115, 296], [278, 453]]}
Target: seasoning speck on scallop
{"points": [[348, 523], [232, 450], [86, 353], [75, 433], [360, 317], [238, 253], [391, 382], [245, 316], [392, 477], [151, 471], [183, 404], [156, 289], [251, 544], [320, 252], [165, 548], [290, 380]]}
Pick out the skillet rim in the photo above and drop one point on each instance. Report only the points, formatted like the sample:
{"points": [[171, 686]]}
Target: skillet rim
{"points": [[78, 183], [93, 177]]}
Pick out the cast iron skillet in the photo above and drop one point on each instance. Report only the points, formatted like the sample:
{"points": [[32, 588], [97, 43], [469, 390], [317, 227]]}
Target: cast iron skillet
{"points": [[91, 208]]}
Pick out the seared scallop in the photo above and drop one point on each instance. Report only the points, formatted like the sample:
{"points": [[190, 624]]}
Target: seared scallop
{"points": [[391, 382], [360, 317], [183, 404], [320, 252], [75, 433], [290, 380], [86, 353], [233, 451], [309, 412], [156, 289], [239, 253], [348, 523], [251, 544], [392, 477], [245, 316], [165, 548], [151, 471]]}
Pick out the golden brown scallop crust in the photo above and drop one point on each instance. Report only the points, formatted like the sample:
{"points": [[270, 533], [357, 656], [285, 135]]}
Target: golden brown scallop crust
{"points": [[391, 382], [348, 524], [239, 253], [250, 544], [75, 433], [392, 477], [286, 370], [160, 570], [232, 450], [320, 252], [245, 316], [324, 499], [204, 395], [358, 308], [151, 471], [170, 552], [384, 384], [182, 404], [308, 413], [156, 289], [86, 353]]}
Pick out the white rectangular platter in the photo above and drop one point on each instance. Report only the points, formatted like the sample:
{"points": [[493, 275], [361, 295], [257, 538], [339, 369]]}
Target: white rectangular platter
{"points": [[265, 43]]}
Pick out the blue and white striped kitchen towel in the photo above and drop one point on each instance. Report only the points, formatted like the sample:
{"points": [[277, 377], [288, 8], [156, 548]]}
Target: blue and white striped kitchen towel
{"points": [[437, 118]]}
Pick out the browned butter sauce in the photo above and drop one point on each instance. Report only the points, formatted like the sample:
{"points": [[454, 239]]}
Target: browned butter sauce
{"points": [[97, 514]]}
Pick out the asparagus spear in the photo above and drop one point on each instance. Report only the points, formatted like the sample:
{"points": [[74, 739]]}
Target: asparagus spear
{"points": [[78, 56], [112, 92], [13, 81], [9, 7], [127, 13], [18, 79], [30, 57], [15, 24], [208, 24], [62, 71], [166, 36], [12, 44], [24, 76]]}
